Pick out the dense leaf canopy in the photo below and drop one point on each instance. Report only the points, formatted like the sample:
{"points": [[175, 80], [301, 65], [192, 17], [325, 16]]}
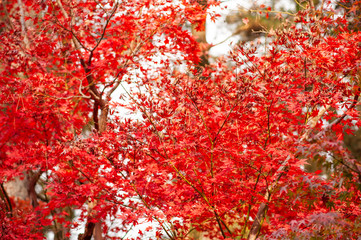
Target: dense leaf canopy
{"points": [[221, 149]]}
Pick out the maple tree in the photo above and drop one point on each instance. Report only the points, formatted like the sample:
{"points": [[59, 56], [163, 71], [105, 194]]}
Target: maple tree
{"points": [[214, 148]]}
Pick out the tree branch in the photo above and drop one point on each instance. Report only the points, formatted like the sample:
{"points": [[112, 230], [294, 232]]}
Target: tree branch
{"points": [[6, 197], [257, 224]]}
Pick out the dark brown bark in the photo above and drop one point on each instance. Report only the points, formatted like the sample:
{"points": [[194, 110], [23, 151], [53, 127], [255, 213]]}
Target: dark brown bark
{"points": [[95, 115], [88, 233]]}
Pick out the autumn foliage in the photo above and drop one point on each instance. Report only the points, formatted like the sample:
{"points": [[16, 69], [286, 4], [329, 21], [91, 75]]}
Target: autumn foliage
{"points": [[219, 150]]}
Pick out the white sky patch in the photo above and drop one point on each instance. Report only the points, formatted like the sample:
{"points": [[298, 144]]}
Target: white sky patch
{"points": [[219, 30], [79, 229]]}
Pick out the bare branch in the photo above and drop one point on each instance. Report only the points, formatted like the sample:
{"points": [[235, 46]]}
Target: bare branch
{"points": [[104, 29], [76, 40]]}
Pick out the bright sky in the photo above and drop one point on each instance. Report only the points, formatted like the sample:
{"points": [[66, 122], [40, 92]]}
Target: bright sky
{"points": [[218, 31]]}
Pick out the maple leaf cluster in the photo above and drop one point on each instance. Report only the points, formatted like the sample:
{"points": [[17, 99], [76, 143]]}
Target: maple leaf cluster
{"points": [[219, 150]]}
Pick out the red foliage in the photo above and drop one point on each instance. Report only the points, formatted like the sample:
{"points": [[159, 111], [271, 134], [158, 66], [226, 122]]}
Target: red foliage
{"points": [[212, 146]]}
